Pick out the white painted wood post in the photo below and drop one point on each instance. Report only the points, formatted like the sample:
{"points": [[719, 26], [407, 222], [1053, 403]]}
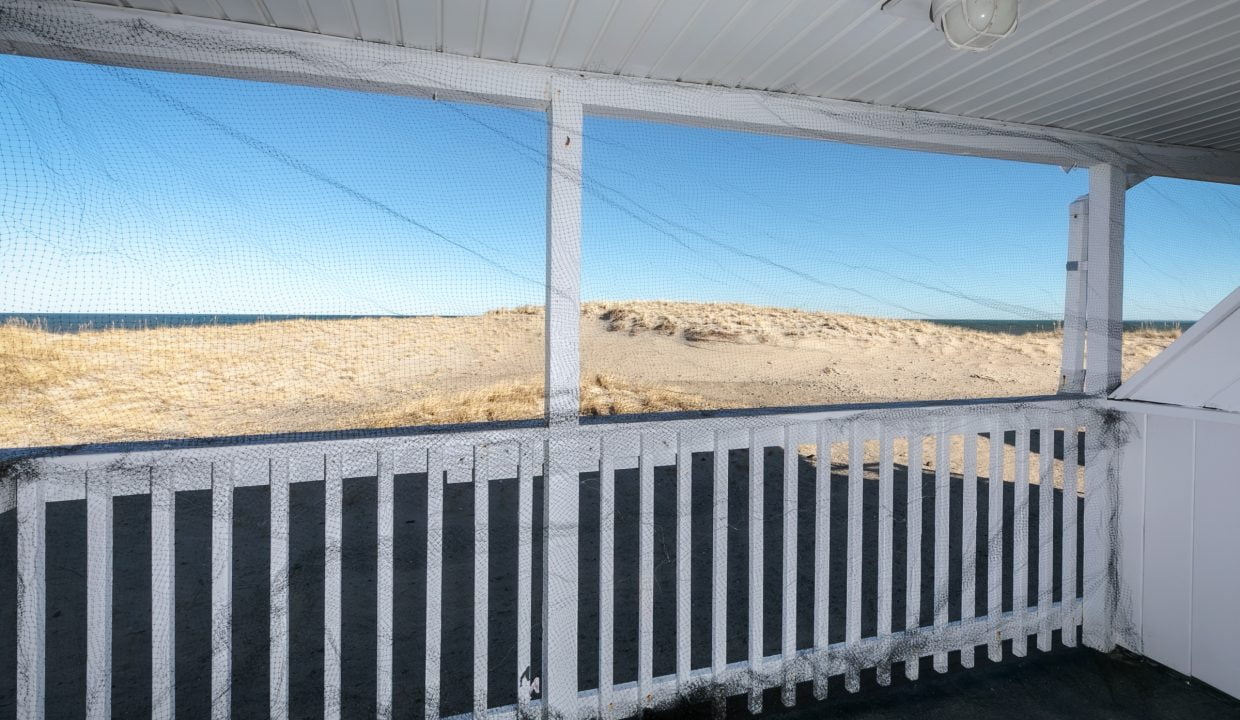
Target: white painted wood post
{"points": [[222, 480], [1072, 367], [563, 378], [31, 589], [98, 595], [1104, 292], [385, 562], [278, 658], [1104, 356], [163, 591]]}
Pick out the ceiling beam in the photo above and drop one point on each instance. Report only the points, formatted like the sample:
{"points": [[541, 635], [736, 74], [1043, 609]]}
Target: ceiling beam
{"points": [[87, 32]]}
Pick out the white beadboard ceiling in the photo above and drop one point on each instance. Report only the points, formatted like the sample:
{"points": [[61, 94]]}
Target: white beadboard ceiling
{"points": [[1152, 70]]}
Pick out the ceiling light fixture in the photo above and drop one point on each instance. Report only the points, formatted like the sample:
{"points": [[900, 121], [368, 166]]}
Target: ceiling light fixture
{"points": [[974, 25]]}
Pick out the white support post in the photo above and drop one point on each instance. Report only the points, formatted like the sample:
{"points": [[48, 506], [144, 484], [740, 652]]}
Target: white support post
{"points": [[1072, 367], [98, 596], [1104, 310], [563, 378], [31, 605], [1105, 280]]}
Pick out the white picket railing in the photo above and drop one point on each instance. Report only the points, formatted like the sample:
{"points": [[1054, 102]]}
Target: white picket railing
{"points": [[872, 442]]}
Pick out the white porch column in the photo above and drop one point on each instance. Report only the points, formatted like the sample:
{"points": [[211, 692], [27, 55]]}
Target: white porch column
{"points": [[1104, 318], [559, 678], [1072, 367], [1105, 283]]}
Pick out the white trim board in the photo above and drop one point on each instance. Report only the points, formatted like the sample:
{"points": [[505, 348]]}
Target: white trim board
{"points": [[1199, 369], [161, 41]]}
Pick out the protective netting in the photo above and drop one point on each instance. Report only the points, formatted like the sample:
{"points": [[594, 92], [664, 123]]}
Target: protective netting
{"points": [[1181, 258], [258, 291]]}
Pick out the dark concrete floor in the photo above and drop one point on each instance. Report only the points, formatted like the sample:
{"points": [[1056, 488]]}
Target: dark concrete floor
{"points": [[1065, 683]]}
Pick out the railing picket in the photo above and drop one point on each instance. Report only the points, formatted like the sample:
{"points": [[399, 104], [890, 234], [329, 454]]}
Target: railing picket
{"points": [[994, 541], [31, 597], [221, 589], [645, 575], [822, 559], [886, 502], [789, 624], [434, 577], [98, 595], [684, 537], [852, 619], [606, 577], [968, 539], [756, 568], [279, 657], [942, 519], [913, 571], [1068, 498], [333, 538], [482, 561], [163, 591], [386, 491], [1046, 546], [526, 467], [719, 560], [1020, 542]]}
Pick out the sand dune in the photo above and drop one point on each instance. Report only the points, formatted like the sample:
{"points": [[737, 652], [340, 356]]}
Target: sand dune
{"points": [[306, 375]]}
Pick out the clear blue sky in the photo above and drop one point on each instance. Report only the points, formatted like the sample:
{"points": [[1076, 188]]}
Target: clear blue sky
{"points": [[133, 191]]}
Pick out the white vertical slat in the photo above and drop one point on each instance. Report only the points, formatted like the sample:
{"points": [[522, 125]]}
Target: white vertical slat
{"points": [[886, 502], [852, 619], [385, 560], [822, 559], [525, 571], [279, 657], [31, 596], [1072, 366], [163, 592], [645, 575], [1068, 497], [913, 574], [756, 569], [221, 589], [1020, 542], [684, 537], [482, 568], [719, 560], [994, 541], [1046, 540], [789, 605], [942, 520], [98, 595], [968, 537], [434, 577], [606, 577], [333, 537]]}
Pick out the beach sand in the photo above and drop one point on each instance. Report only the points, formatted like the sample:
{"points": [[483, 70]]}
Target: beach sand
{"points": [[315, 375]]}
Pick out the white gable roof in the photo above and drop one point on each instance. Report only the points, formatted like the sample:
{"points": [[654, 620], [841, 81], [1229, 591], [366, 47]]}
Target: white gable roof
{"points": [[1201, 369]]}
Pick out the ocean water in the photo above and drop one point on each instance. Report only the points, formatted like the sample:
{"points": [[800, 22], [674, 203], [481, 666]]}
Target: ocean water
{"points": [[80, 322]]}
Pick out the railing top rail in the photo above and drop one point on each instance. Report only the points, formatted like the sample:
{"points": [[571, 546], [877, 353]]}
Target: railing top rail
{"points": [[950, 416]]}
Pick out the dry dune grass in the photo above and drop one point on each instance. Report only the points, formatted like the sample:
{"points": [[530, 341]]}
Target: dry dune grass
{"points": [[313, 375]]}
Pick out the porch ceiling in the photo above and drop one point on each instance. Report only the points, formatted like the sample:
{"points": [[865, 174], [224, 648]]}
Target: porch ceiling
{"points": [[1163, 71]]}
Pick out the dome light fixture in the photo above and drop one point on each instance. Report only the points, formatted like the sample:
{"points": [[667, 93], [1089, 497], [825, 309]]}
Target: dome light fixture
{"points": [[974, 25]]}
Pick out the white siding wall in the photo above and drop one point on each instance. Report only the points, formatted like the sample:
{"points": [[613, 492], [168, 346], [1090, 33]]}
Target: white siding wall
{"points": [[1179, 545]]}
